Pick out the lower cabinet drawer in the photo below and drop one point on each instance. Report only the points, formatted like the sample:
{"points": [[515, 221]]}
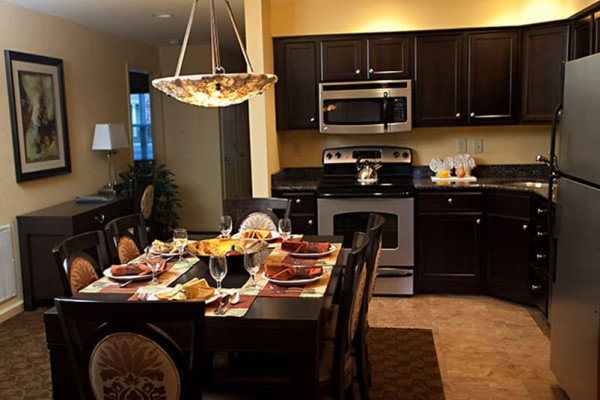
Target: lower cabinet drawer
{"points": [[450, 201], [539, 290], [302, 203], [306, 224], [98, 218], [509, 204]]}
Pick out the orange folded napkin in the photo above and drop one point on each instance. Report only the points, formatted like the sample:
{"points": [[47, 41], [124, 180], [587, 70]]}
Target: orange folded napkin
{"points": [[135, 269], [284, 272], [295, 246]]}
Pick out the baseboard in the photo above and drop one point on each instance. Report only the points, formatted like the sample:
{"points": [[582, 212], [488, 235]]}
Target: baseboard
{"points": [[11, 310]]}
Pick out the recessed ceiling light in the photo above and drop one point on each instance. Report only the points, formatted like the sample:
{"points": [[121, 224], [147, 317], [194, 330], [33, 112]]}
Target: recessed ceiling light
{"points": [[163, 15]]}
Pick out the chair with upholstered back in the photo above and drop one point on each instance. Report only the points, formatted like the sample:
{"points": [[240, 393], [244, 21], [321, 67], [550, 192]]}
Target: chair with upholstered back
{"points": [[118, 352], [256, 212], [375, 233], [127, 237], [80, 259]]}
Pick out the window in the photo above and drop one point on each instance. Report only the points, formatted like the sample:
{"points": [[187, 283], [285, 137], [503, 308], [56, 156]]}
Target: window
{"points": [[141, 116]]}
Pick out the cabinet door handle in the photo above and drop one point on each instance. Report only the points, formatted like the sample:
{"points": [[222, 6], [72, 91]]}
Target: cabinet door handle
{"points": [[298, 201], [457, 115], [310, 222], [535, 288], [450, 201], [542, 234], [312, 119], [525, 227], [541, 211], [371, 70], [357, 72], [541, 256], [472, 115], [99, 218], [478, 221]]}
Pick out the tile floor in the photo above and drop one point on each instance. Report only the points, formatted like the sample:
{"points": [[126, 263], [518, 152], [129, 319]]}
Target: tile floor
{"points": [[488, 349]]}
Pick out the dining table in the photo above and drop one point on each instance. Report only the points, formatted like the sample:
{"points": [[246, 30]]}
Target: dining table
{"points": [[290, 326]]}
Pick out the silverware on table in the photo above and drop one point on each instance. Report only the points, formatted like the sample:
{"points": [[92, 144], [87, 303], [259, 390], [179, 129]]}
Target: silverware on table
{"points": [[125, 284], [222, 303], [235, 298]]}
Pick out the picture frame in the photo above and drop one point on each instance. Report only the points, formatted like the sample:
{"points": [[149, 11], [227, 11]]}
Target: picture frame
{"points": [[38, 114]]}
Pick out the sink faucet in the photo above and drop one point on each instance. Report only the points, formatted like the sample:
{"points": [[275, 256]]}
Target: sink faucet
{"points": [[550, 164], [541, 159]]}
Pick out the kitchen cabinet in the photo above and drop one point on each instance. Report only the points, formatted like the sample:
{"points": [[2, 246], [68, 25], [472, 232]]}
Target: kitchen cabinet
{"points": [[582, 37], [41, 230], [365, 58], [439, 80], [303, 212], [544, 51], [450, 242], [296, 92], [492, 77], [509, 241]]}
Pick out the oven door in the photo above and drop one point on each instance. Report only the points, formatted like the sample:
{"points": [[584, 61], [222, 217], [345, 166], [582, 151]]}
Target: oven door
{"points": [[344, 216]]}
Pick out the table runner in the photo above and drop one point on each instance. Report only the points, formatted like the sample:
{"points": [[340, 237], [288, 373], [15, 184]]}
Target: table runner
{"points": [[175, 270], [315, 289]]}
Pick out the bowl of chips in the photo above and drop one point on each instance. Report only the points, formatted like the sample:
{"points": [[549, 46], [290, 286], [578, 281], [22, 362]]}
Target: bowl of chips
{"points": [[228, 247]]}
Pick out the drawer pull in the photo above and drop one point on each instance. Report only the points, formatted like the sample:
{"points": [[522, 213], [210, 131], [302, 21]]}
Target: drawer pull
{"points": [[298, 201], [99, 218], [310, 222], [457, 115], [541, 211], [525, 227], [535, 288], [357, 72], [450, 201], [478, 221], [371, 70], [312, 119], [541, 256], [542, 234]]}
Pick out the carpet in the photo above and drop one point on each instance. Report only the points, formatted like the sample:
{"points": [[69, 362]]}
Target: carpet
{"points": [[404, 365], [404, 362]]}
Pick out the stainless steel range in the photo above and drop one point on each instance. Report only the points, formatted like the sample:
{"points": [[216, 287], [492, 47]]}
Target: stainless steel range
{"points": [[344, 203]]}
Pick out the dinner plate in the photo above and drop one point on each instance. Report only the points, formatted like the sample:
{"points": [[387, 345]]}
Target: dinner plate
{"points": [[293, 282], [314, 255], [124, 278], [153, 297], [274, 235]]}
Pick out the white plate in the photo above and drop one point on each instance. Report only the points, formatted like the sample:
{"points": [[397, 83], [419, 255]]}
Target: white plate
{"points": [[293, 282], [274, 235], [314, 255], [124, 278], [153, 297]]}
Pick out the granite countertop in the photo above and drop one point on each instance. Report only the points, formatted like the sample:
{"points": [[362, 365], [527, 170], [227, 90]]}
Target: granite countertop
{"points": [[505, 177]]}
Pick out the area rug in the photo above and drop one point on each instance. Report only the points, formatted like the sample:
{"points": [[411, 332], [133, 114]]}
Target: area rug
{"points": [[404, 365], [404, 362]]}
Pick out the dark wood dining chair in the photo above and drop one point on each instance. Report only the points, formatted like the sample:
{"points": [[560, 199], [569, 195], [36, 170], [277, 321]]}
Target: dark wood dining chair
{"points": [[80, 259], [117, 351], [127, 237], [242, 209], [363, 365]]}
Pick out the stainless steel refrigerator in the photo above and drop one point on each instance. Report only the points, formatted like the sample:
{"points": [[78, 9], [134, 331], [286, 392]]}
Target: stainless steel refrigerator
{"points": [[574, 316]]}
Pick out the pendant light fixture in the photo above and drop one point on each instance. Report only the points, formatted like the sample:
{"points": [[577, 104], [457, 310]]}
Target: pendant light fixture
{"points": [[218, 89]]}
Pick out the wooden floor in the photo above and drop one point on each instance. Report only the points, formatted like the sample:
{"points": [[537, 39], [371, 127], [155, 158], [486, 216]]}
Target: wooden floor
{"points": [[487, 348]]}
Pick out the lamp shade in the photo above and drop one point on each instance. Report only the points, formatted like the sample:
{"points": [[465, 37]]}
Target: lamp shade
{"points": [[110, 137]]}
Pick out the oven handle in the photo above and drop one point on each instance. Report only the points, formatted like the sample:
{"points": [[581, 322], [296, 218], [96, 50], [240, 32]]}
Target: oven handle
{"points": [[393, 273], [385, 111]]}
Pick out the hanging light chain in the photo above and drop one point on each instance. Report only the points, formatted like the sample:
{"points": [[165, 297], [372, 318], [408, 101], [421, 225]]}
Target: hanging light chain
{"points": [[237, 35], [186, 38]]}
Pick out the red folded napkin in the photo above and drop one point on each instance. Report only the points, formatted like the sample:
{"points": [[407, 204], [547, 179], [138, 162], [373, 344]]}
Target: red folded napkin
{"points": [[135, 269], [296, 246], [284, 272]]}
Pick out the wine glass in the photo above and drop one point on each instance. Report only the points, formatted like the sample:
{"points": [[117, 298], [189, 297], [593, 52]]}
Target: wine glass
{"points": [[180, 238], [252, 263], [217, 266], [153, 261], [285, 228], [225, 226]]}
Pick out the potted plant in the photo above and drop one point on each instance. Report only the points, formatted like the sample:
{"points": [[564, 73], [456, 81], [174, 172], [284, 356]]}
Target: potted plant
{"points": [[166, 195]]}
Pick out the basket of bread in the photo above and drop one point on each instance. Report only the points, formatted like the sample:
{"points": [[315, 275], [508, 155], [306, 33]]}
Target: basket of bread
{"points": [[225, 247]]}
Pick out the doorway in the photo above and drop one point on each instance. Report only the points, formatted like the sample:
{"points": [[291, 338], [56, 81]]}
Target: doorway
{"points": [[141, 116]]}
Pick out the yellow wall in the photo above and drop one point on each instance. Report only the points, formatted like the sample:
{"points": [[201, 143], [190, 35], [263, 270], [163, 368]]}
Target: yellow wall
{"points": [[96, 91], [574, 6]]}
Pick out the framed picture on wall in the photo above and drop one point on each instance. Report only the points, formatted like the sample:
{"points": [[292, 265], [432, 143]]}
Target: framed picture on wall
{"points": [[36, 94]]}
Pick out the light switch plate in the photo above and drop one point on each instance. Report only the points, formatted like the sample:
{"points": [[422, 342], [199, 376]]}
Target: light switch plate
{"points": [[461, 145], [478, 145]]}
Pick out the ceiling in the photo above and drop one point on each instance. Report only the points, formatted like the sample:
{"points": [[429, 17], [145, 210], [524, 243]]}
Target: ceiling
{"points": [[133, 18]]}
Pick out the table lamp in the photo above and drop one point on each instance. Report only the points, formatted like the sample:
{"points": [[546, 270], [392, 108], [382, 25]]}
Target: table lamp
{"points": [[110, 138]]}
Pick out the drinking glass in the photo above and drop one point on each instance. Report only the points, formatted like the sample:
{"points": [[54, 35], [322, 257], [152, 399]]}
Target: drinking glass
{"points": [[285, 228], [180, 238], [225, 226], [252, 264], [217, 266], [153, 261]]}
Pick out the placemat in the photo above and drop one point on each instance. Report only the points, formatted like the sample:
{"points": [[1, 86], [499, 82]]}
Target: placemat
{"points": [[174, 271]]}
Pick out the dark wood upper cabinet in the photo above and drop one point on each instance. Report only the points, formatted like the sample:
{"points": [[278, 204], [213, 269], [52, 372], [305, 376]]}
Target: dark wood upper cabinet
{"points": [[343, 60], [297, 90], [439, 80], [544, 51], [388, 57], [492, 77], [582, 37]]}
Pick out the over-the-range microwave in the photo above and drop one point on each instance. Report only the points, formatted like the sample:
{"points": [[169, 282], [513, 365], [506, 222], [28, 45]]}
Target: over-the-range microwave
{"points": [[365, 107]]}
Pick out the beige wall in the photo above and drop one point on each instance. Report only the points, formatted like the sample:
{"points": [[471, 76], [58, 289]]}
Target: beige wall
{"points": [[574, 6], [96, 91]]}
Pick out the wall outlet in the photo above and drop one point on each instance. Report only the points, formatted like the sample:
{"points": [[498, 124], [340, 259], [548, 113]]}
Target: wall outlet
{"points": [[461, 145], [296, 149], [478, 145]]}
